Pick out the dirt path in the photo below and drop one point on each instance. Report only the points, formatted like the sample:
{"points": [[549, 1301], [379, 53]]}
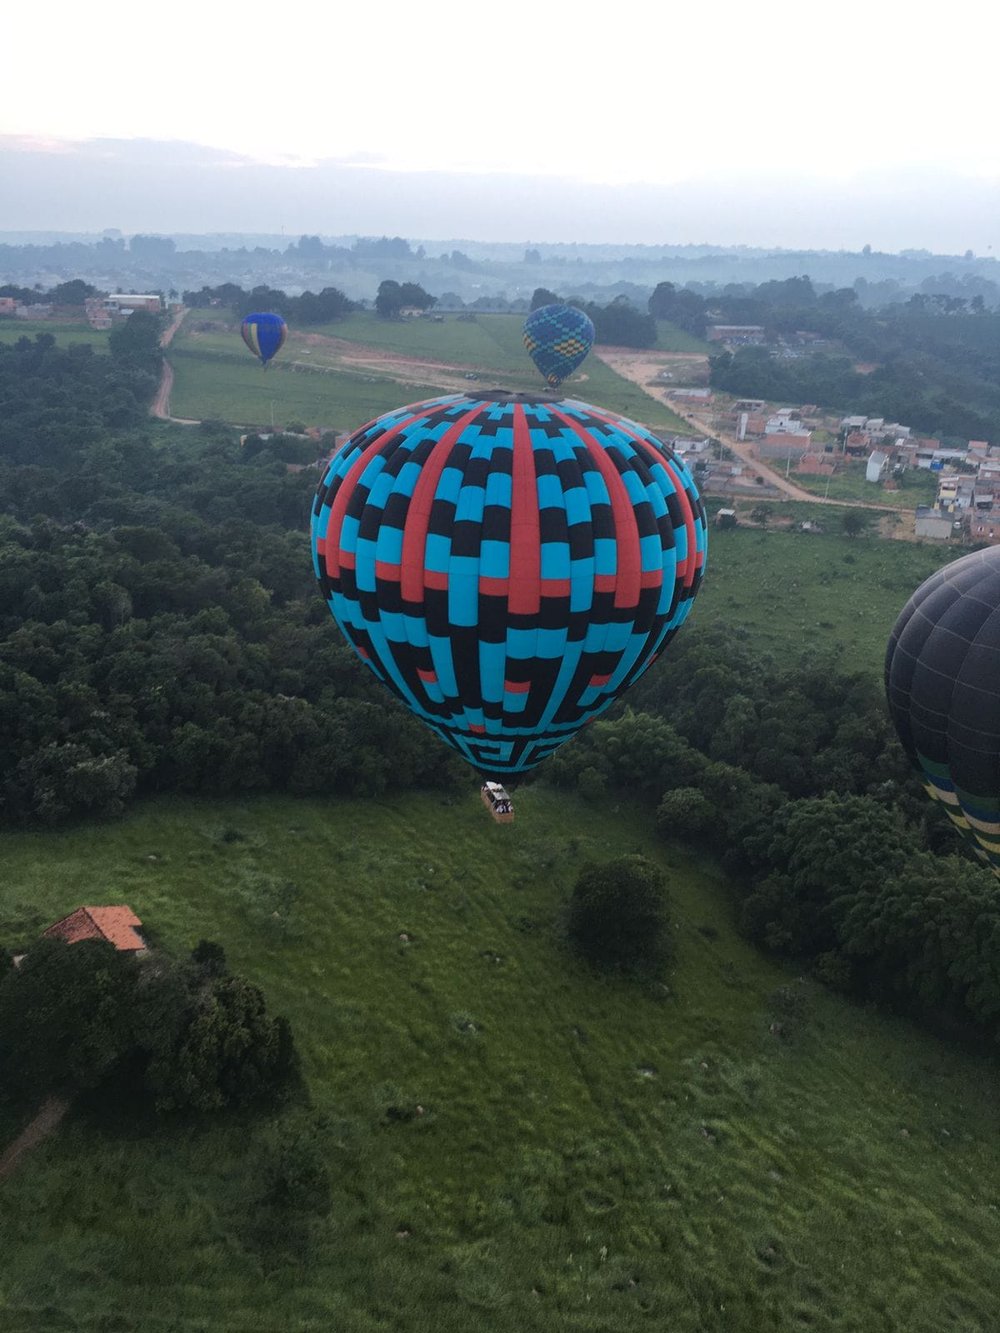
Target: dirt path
{"points": [[160, 406], [642, 368], [45, 1123]]}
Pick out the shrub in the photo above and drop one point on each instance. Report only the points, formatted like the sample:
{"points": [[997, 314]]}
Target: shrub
{"points": [[618, 916]]}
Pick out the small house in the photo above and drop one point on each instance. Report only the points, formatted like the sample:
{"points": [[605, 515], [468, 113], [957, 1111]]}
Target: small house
{"points": [[117, 925], [877, 466]]}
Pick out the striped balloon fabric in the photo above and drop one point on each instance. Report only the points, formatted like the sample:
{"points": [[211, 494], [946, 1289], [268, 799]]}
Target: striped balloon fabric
{"points": [[507, 565], [264, 334], [942, 679]]}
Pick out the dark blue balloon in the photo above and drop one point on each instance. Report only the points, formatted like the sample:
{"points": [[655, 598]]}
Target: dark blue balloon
{"points": [[264, 334]]}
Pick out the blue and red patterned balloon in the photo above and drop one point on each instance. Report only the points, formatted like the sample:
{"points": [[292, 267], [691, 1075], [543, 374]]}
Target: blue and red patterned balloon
{"points": [[558, 338], [507, 564], [264, 334]]}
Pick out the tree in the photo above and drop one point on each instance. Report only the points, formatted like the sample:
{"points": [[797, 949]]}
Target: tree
{"points": [[684, 813], [854, 522], [65, 1016], [619, 915], [813, 856], [761, 515], [229, 1052], [541, 296], [74, 292], [137, 341], [413, 294], [389, 299], [684, 308]]}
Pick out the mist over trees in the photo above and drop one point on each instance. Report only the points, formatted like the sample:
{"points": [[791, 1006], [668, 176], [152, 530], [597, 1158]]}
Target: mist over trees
{"points": [[474, 270]]}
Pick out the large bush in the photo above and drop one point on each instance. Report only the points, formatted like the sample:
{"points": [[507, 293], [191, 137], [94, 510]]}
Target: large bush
{"points": [[619, 915]]}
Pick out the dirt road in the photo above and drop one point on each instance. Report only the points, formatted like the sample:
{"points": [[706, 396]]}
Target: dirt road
{"points": [[160, 406], [641, 369], [45, 1122]]}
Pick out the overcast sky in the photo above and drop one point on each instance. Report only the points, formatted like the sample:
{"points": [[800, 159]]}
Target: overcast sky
{"points": [[734, 108]]}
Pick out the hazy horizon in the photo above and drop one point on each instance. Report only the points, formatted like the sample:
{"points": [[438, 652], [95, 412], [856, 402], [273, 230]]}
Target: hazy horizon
{"points": [[170, 187]]}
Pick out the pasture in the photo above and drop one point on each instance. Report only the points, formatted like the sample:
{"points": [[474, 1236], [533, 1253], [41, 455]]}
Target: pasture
{"points": [[794, 591], [669, 338], [234, 388], [67, 332], [315, 380], [514, 1142], [916, 486]]}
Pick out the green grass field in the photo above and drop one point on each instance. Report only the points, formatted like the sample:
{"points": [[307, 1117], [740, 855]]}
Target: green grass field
{"points": [[215, 377], [67, 333], [595, 1155], [669, 338], [236, 389], [491, 343], [795, 591], [917, 486]]}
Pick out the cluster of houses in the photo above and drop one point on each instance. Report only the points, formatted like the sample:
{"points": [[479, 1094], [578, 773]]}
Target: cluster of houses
{"points": [[802, 440], [101, 311]]}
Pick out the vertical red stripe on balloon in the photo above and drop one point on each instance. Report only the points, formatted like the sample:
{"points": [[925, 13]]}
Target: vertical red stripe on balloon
{"points": [[525, 597], [339, 507], [689, 566], [629, 555], [418, 513]]}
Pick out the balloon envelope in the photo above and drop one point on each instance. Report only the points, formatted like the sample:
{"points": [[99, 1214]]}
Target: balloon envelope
{"points": [[507, 565], [942, 678], [264, 334], [558, 338]]}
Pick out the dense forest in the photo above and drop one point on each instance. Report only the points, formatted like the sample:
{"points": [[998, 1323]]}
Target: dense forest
{"points": [[160, 631]]}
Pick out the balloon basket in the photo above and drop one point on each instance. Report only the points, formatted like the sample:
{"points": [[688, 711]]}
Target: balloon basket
{"points": [[497, 802]]}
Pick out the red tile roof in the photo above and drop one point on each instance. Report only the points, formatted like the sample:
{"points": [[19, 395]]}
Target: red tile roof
{"points": [[115, 924]]}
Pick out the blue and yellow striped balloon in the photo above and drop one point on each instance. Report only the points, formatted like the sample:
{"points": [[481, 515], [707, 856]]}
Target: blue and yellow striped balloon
{"points": [[264, 334]]}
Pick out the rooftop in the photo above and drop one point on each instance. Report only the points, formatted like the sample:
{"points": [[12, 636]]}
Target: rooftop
{"points": [[114, 924]]}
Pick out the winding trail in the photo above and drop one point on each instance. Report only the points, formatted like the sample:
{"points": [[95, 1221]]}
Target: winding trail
{"points": [[640, 368], [46, 1122], [160, 406]]}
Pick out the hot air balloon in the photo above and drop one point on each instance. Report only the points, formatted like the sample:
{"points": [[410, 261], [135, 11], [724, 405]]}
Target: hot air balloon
{"points": [[942, 679], [507, 564], [558, 338], [264, 334]]}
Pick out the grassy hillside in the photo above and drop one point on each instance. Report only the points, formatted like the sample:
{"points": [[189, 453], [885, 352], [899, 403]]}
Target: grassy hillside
{"points": [[669, 338], [592, 1154], [491, 343], [794, 591], [215, 377], [233, 388]]}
